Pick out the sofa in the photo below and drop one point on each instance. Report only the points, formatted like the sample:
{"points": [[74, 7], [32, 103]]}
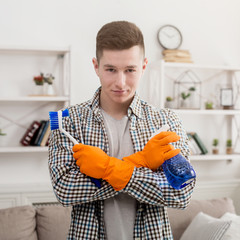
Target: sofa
{"points": [[51, 222]]}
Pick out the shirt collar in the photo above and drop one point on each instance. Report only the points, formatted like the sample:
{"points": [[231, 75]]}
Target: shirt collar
{"points": [[134, 108]]}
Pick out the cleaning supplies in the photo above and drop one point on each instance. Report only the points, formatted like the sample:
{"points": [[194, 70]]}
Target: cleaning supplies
{"points": [[56, 123], [177, 169]]}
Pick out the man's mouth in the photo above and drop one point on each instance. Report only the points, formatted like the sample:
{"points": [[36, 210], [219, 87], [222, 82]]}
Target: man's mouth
{"points": [[119, 91]]}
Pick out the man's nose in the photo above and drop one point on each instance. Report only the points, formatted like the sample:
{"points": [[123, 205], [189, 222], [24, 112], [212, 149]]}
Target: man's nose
{"points": [[121, 80]]}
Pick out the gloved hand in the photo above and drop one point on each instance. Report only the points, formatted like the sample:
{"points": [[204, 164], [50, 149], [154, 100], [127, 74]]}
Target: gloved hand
{"points": [[95, 163], [155, 152]]}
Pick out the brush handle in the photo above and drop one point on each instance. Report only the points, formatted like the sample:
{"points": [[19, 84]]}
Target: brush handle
{"points": [[69, 136], [97, 182], [164, 128]]}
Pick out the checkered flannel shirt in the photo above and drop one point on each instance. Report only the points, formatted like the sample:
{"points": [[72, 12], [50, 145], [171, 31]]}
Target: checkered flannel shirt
{"points": [[151, 189]]}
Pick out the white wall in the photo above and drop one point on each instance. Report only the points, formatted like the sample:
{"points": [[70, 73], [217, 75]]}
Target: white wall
{"points": [[210, 29]]}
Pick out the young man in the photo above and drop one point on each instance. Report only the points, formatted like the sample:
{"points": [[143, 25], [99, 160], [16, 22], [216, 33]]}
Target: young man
{"points": [[113, 130]]}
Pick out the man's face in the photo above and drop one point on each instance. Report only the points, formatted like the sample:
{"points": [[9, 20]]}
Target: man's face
{"points": [[119, 72]]}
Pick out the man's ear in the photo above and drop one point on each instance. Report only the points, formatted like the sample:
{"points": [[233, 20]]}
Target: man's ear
{"points": [[145, 62], [95, 65]]}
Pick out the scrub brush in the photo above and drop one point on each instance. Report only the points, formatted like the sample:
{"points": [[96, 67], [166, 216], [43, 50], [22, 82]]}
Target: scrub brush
{"points": [[56, 123], [178, 170]]}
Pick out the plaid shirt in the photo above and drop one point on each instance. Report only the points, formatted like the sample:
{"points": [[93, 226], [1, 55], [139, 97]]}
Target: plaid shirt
{"points": [[150, 189]]}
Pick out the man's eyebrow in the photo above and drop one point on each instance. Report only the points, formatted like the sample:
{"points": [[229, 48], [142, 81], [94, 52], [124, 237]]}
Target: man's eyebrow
{"points": [[109, 65], [112, 66], [132, 66]]}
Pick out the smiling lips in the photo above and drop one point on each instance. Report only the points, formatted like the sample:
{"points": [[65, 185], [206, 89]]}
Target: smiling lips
{"points": [[119, 91]]}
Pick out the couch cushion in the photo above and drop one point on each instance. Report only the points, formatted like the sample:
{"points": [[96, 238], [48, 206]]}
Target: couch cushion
{"points": [[180, 219], [233, 233], [205, 227], [53, 222], [18, 223]]}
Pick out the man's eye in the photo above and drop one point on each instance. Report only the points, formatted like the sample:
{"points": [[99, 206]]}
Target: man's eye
{"points": [[131, 70], [111, 70]]}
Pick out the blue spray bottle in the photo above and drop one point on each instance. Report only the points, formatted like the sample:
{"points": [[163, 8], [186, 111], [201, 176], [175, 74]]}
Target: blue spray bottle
{"points": [[179, 172]]}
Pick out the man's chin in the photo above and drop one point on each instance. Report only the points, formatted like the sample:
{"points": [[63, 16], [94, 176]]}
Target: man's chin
{"points": [[123, 99]]}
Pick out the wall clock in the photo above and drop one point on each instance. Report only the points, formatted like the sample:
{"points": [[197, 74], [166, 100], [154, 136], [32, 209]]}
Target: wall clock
{"points": [[169, 37]]}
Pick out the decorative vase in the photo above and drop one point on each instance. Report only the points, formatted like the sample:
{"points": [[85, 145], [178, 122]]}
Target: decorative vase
{"points": [[185, 103], [169, 104], [194, 101], [229, 150], [38, 90], [50, 90], [215, 150]]}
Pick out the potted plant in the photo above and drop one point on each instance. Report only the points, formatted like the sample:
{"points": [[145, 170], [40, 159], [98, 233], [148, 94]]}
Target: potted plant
{"points": [[169, 102], [229, 146], [192, 89], [208, 105], [215, 149], [49, 80], [1, 133], [38, 87], [185, 98]]}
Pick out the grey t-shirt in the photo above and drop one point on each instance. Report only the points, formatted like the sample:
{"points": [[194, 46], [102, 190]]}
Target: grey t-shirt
{"points": [[119, 211]]}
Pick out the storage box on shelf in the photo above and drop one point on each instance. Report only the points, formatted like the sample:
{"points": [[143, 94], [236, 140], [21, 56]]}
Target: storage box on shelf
{"points": [[209, 122], [19, 106]]}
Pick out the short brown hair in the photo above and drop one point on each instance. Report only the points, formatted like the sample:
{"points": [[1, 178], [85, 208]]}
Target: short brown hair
{"points": [[118, 35]]}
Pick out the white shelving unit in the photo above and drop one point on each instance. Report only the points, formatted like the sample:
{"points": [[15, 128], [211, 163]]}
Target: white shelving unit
{"points": [[17, 104], [35, 99], [167, 68], [19, 149]]}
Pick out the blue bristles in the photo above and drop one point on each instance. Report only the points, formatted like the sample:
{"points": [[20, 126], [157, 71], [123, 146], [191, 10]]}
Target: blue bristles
{"points": [[54, 124], [53, 117]]}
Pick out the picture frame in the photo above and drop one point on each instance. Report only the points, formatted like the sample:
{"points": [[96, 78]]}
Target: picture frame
{"points": [[226, 98]]}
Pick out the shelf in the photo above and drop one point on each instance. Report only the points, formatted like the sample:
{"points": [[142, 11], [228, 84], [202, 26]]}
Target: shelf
{"points": [[215, 157], [207, 112], [23, 149], [35, 99], [34, 50], [198, 66]]}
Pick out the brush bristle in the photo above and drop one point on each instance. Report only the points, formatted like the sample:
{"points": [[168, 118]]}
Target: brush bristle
{"points": [[53, 116], [65, 113]]}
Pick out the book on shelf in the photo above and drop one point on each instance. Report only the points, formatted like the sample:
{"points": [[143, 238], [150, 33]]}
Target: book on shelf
{"points": [[200, 144], [30, 133], [177, 55], [40, 132], [37, 134], [46, 136], [194, 149], [44, 129]]}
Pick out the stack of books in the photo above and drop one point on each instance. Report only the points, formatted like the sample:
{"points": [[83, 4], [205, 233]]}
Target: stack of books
{"points": [[196, 145], [177, 56], [37, 134]]}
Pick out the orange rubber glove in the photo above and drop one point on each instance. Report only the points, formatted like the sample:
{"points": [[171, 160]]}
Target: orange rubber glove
{"points": [[156, 151], [95, 163]]}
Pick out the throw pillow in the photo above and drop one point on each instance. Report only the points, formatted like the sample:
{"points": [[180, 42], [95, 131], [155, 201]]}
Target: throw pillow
{"points": [[233, 233], [18, 223], [205, 227], [53, 222], [180, 219]]}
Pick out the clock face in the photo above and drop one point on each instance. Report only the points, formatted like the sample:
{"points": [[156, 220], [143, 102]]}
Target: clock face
{"points": [[169, 37]]}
